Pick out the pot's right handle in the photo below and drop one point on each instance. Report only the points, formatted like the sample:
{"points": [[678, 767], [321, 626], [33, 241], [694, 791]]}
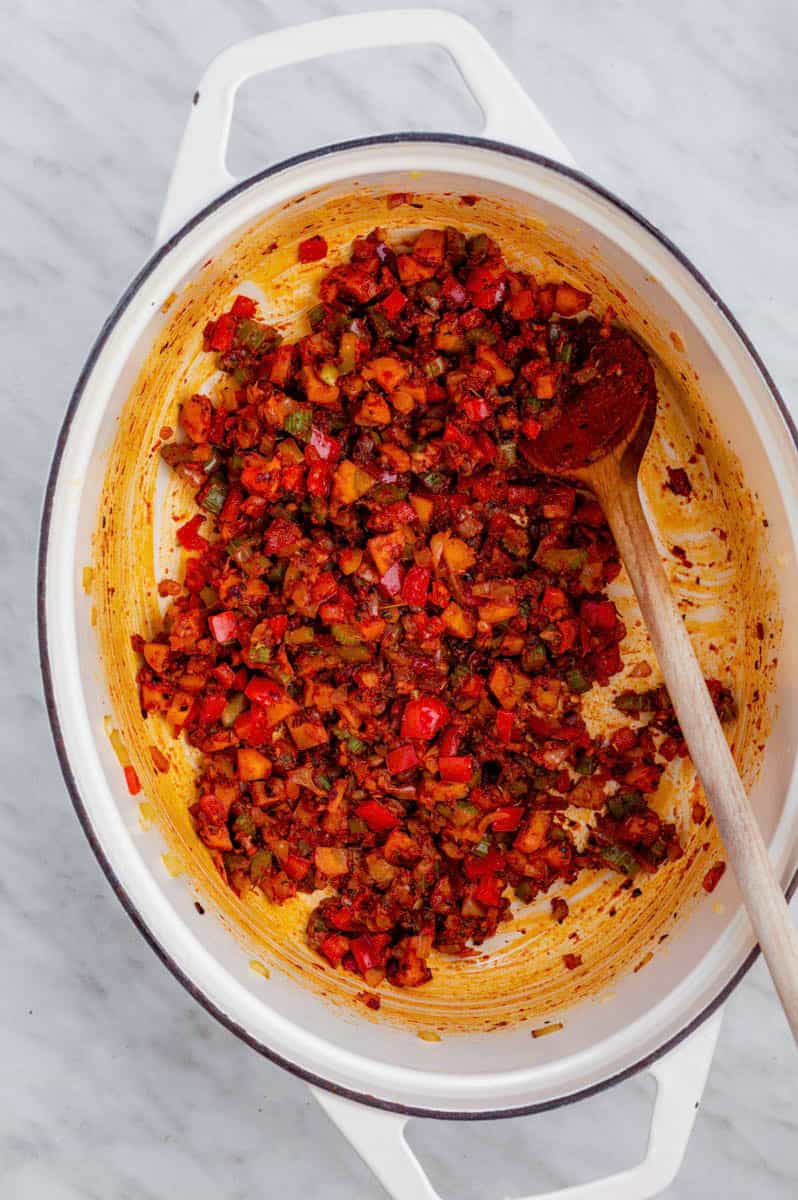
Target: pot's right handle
{"points": [[681, 1074], [200, 173]]}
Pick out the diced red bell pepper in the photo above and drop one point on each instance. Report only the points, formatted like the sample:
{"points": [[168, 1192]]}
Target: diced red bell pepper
{"points": [[450, 741], [252, 726], [377, 816], [393, 517], [598, 614], [334, 947], [211, 707], [485, 445], [504, 726], [507, 819], [476, 408], [476, 866], [277, 626], [296, 868], [223, 626], [132, 780], [453, 292], [368, 950], [319, 479], [324, 587], [423, 718], [488, 891], [553, 603], [531, 428], [243, 306], [456, 768], [261, 690], [224, 328], [403, 758], [391, 581], [188, 535], [328, 448], [330, 613], [487, 284], [280, 535], [455, 437], [393, 304], [416, 586], [313, 249], [342, 918]]}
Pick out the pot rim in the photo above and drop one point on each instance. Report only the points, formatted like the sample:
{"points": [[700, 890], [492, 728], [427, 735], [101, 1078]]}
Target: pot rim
{"points": [[44, 650]]}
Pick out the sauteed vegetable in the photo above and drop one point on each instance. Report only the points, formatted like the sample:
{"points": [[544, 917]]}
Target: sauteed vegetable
{"points": [[387, 623]]}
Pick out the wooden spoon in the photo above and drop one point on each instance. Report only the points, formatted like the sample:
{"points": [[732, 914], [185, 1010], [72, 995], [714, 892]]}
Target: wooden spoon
{"points": [[619, 398]]}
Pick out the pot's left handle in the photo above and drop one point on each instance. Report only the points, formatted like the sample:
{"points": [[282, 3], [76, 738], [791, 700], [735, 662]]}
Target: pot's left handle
{"points": [[200, 173], [379, 1136]]}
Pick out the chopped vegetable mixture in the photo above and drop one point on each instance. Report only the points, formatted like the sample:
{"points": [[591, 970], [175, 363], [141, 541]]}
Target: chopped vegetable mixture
{"points": [[387, 622]]}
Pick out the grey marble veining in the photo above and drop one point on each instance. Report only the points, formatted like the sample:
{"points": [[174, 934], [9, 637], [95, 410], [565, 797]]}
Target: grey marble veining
{"points": [[114, 1084]]}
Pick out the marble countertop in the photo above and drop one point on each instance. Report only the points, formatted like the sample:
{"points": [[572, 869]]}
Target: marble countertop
{"points": [[116, 1085]]}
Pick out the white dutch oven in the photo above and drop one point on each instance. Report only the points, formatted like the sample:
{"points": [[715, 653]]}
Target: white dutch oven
{"points": [[370, 1076]]}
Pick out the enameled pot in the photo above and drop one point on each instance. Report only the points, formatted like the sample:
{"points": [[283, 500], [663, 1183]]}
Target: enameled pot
{"points": [[370, 1073]]}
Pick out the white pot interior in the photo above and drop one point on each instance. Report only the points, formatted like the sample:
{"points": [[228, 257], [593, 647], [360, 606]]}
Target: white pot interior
{"points": [[481, 1071]]}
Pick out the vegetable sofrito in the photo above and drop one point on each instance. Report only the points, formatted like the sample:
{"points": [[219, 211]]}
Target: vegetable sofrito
{"points": [[387, 622]]}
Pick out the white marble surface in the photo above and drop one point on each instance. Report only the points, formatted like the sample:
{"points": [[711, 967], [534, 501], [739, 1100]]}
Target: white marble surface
{"points": [[114, 1084]]}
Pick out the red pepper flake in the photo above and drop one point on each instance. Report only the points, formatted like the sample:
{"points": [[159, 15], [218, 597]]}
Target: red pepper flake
{"points": [[369, 999], [159, 760], [679, 482], [313, 249], [714, 876], [397, 199], [559, 909], [132, 781], [572, 961]]}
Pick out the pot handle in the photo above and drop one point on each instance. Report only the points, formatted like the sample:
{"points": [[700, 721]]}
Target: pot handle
{"points": [[200, 172], [378, 1136]]}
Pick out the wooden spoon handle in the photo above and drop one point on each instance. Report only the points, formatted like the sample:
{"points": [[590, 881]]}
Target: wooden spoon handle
{"points": [[745, 847]]}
